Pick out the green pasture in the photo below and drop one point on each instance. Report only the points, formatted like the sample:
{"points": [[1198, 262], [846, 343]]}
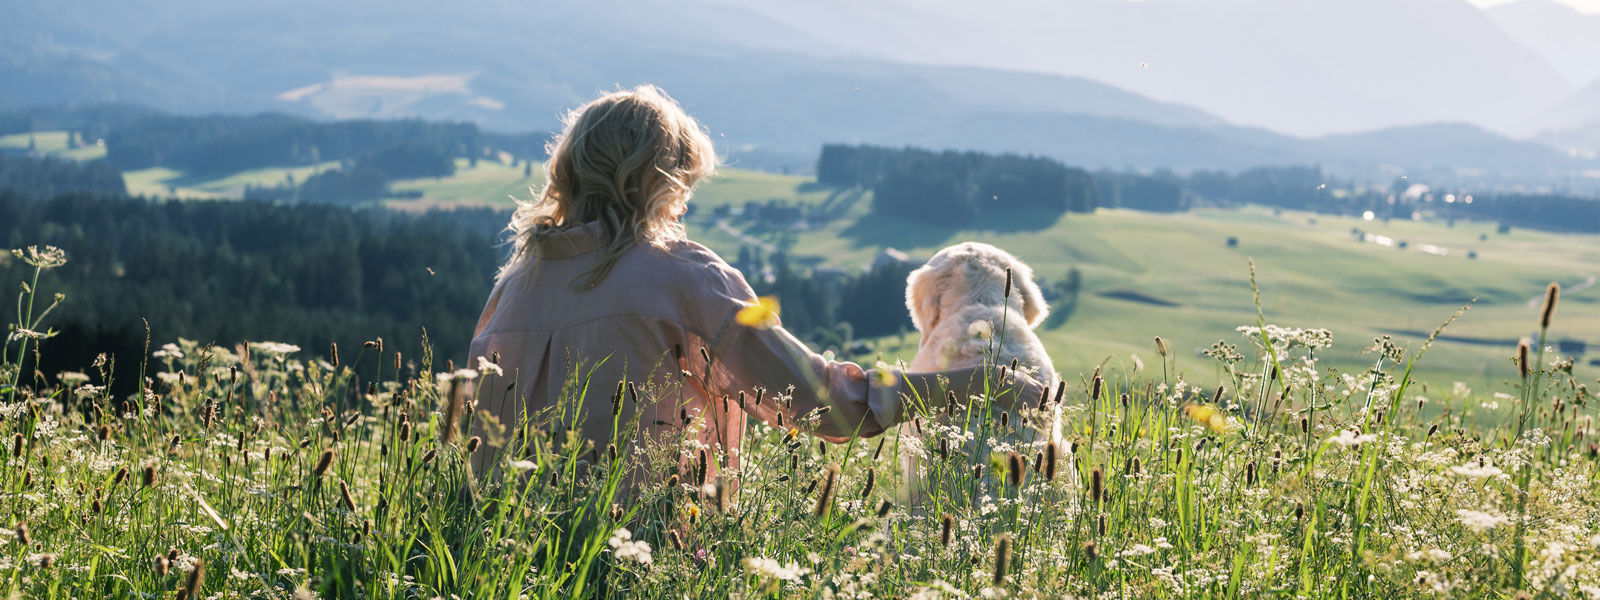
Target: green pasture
{"points": [[1312, 269]]}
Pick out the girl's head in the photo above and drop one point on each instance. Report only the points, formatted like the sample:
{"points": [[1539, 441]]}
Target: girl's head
{"points": [[628, 160]]}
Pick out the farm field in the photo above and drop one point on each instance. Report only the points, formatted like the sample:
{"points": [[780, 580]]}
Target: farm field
{"points": [[52, 143], [1174, 275]]}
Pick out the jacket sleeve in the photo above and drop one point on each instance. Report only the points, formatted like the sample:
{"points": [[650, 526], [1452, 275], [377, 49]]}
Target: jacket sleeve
{"points": [[835, 400]]}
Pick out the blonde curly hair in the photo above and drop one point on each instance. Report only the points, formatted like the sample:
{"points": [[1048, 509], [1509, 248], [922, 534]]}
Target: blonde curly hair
{"points": [[628, 160]]}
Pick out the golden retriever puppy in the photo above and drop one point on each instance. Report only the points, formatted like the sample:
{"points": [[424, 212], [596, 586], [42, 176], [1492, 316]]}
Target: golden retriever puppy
{"points": [[958, 301]]}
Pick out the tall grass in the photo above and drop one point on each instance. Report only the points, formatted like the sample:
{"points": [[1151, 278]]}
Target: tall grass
{"points": [[266, 471]]}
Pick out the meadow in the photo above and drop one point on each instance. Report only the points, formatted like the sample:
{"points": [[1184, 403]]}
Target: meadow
{"points": [[1218, 443], [270, 471], [1187, 284]]}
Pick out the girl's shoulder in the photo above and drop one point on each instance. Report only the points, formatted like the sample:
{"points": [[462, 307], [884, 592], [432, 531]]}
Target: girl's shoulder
{"points": [[702, 266]]}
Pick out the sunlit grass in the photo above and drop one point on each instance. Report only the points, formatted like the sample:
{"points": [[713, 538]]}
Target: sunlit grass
{"points": [[271, 471]]}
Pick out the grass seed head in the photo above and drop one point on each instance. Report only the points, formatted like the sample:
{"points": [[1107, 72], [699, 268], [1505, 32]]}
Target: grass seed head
{"points": [[323, 463], [1551, 295], [1014, 467], [1052, 457], [1002, 558], [946, 524], [1096, 485], [197, 579], [1523, 367], [830, 480]]}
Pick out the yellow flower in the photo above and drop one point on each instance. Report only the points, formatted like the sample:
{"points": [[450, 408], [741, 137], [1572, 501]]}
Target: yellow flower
{"points": [[761, 315], [1201, 413]]}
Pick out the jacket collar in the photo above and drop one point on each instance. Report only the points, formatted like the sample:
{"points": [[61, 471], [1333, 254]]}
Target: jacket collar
{"points": [[570, 242]]}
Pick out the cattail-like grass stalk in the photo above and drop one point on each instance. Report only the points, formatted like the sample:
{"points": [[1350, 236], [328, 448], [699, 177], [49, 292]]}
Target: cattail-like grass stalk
{"points": [[1161, 347], [1524, 369], [323, 464], [333, 354], [197, 579], [1014, 468], [872, 477], [946, 525], [345, 498], [1551, 295], [1096, 485], [1002, 558], [454, 407], [1052, 457], [830, 479]]}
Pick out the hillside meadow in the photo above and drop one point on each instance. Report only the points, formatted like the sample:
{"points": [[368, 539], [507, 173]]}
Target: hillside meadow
{"points": [[270, 471], [1174, 274]]}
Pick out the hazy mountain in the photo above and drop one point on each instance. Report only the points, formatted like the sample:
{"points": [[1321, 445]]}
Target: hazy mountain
{"points": [[1303, 67], [1565, 38], [773, 86]]}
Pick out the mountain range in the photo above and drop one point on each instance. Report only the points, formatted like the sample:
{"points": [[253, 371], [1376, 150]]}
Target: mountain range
{"points": [[1363, 86]]}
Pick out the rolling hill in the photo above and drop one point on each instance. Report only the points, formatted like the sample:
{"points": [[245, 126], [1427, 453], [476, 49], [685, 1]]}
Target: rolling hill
{"points": [[772, 86]]}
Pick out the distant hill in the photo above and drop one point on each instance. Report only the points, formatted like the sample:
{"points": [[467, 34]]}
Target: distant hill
{"points": [[1305, 67], [1565, 38], [773, 87]]}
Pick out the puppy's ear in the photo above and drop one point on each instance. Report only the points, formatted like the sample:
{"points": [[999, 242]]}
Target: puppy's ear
{"points": [[922, 297], [1034, 308]]}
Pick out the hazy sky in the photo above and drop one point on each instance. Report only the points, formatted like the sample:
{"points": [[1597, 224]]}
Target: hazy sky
{"points": [[1588, 6]]}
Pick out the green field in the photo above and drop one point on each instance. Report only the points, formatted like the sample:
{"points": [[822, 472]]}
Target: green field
{"points": [[54, 143], [1311, 269], [164, 182]]}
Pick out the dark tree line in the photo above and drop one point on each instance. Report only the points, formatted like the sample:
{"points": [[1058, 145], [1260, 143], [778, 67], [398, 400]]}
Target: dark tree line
{"points": [[951, 188], [831, 308], [226, 272], [367, 178], [226, 144], [88, 122], [45, 177]]}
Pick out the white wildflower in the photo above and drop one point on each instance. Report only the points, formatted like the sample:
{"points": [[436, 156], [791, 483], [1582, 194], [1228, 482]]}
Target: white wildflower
{"points": [[771, 568], [489, 368], [1480, 521]]}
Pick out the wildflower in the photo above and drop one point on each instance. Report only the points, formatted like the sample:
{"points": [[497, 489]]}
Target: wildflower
{"points": [[48, 258], [72, 377], [980, 329], [766, 567], [624, 547], [274, 347], [1348, 438], [1480, 521], [522, 465], [761, 315], [489, 368], [1477, 470]]}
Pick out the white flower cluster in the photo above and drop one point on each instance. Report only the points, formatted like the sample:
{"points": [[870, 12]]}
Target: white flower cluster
{"points": [[1288, 337], [767, 567], [624, 547]]}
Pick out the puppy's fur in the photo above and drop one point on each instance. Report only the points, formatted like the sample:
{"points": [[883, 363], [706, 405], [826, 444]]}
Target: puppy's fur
{"points": [[958, 302]]}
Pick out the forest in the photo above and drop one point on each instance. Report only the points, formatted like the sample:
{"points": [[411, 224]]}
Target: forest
{"points": [[952, 188], [224, 272]]}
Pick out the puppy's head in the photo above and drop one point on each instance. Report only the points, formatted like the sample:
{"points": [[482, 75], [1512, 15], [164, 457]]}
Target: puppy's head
{"points": [[971, 273]]}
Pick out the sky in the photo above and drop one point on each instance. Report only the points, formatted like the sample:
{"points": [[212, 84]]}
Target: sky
{"points": [[1588, 6]]}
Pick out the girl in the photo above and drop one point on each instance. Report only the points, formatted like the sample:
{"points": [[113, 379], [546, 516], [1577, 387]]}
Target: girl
{"points": [[604, 287]]}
